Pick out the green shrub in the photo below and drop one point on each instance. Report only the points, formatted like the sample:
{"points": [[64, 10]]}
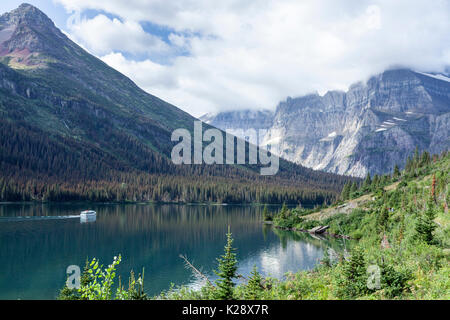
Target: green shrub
{"points": [[357, 234], [96, 284], [393, 282], [307, 224]]}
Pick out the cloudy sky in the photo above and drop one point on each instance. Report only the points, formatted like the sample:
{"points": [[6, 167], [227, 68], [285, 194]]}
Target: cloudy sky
{"points": [[207, 55]]}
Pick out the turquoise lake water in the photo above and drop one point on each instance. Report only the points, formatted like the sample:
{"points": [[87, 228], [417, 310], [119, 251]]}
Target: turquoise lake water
{"points": [[39, 241]]}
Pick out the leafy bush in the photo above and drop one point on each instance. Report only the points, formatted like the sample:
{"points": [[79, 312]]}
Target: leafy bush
{"points": [[357, 234], [345, 223], [307, 224], [96, 284]]}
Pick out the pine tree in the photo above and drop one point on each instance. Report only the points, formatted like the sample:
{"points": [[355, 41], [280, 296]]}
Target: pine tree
{"points": [[416, 155], [382, 219], [409, 165], [284, 211], [367, 183], [345, 194], [397, 173], [227, 271], [425, 159], [425, 225], [353, 190], [354, 279], [254, 288], [266, 215], [375, 182]]}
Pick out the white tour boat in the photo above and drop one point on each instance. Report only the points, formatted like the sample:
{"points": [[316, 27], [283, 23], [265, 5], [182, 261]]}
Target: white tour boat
{"points": [[88, 216]]}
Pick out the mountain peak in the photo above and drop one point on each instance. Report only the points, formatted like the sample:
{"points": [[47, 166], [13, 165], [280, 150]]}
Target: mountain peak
{"points": [[27, 6], [27, 37], [26, 14]]}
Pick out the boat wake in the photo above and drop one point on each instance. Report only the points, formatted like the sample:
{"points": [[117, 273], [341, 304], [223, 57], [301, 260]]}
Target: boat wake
{"points": [[36, 218]]}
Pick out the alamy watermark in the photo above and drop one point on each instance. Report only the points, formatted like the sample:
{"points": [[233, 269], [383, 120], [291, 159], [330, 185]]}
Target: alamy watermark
{"points": [[191, 151], [374, 277], [73, 277]]}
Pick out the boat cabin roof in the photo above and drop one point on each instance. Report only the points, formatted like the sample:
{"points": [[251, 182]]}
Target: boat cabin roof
{"points": [[88, 211]]}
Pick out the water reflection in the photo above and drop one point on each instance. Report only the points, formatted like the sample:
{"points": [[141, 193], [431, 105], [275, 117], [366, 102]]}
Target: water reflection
{"points": [[36, 252]]}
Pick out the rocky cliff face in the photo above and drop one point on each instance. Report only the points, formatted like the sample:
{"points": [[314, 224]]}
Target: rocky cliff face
{"points": [[28, 37], [369, 128], [250, 125]]}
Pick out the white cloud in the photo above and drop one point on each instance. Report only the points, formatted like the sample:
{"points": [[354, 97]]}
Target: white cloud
{"points": [[102, 35], [373, 17], [252, 54]]}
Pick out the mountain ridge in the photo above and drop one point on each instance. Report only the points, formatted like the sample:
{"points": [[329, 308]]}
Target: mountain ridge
{"points": [[370, 128]]}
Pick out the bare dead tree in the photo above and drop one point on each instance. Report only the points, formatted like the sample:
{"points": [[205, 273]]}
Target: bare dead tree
{"points": [[195, 270]]}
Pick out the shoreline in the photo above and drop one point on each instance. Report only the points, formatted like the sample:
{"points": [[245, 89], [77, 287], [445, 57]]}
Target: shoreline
{"points": [[334, 235]]}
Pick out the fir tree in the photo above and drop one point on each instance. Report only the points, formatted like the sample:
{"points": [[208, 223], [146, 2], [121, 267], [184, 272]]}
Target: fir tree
{"points": [[354, 279], [397, 173], [284, 211], [425, 225], [345, 194], [382, 219], [367, 183], [353, 190], [416, 155], [409, 165], [266, 215], [227, 271], [425, 159], [375, 182], [254, 288]]}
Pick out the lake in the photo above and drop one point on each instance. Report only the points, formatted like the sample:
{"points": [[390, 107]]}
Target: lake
{"points": [[39, 241]]}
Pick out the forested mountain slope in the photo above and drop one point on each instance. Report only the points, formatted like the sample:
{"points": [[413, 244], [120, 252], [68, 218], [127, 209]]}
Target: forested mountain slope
{"points": [[72, 128]]}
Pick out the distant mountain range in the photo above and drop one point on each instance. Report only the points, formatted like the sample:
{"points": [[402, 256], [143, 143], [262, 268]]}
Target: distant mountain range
{"points": [[73, 128], [370, 128]]}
